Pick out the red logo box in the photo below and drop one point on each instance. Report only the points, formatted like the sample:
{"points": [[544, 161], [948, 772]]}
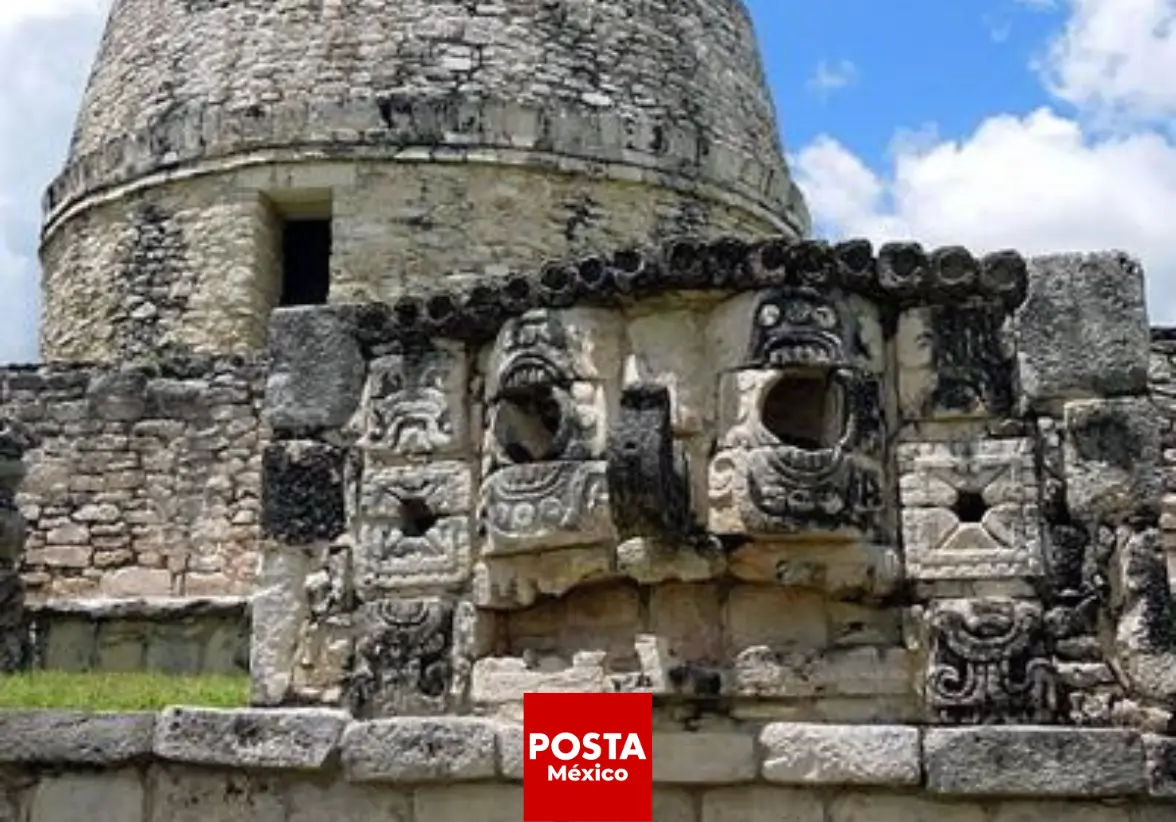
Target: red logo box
{"points": [[587, 758]]}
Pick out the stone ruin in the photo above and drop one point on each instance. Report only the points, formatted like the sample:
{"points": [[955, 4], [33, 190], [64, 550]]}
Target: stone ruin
{"points": [[412, 356]]}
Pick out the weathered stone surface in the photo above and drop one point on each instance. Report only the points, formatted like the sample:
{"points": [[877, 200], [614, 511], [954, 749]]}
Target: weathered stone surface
{"points": [[279, 739], [881, 807], [420, 750], [64, 737], [454, 803], [181, 794], [761, 804], [303, 492], [105, 795], [1083, 329], [1009, 761], [344, 802], [1161, 765], [799, 754], [1112, 458], [703, 758], [316, 371]]}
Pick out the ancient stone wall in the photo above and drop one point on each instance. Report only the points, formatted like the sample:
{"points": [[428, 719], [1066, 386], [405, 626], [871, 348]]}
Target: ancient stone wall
{"points": [[191, 765], [1162, 379], [145, 482]]}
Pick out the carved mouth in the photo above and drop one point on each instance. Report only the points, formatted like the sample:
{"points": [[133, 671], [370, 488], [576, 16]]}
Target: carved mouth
{"points": [[526, 372], [537, 480], [802, 464], [803, 348]]}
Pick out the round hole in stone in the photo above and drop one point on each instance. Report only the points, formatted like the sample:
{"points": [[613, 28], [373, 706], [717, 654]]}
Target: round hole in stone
{"points": [[416, 518], [969, 506], [527, 424], [805, 410]]}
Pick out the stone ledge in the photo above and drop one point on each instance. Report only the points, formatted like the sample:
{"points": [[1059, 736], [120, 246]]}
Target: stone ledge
{"points": [[456, 749], [815, 754], [279, 739], [1034, 761], [149, 608], [74, 738]]}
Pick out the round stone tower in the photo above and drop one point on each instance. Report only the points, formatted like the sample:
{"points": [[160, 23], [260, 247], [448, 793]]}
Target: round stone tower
{"points": [[235, 155]]}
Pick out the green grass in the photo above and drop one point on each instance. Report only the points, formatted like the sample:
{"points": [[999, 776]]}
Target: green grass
{"points": [[104, 691]]}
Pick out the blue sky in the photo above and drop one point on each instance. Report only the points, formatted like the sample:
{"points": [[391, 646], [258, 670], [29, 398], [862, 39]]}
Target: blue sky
{"points": [[1040, 125]]}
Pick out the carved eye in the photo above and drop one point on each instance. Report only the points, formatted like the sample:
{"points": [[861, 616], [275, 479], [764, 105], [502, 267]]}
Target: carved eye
{"points": [[769, 315], [825, 317]]}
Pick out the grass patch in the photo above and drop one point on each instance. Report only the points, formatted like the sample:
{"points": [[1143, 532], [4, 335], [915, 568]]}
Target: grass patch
{"points": [[107, 691]]}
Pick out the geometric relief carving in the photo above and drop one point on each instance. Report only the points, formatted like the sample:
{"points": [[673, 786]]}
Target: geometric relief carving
{"points": [[546, 505], [413, 527], [988, 663], [414, 404], [970, 510], [403, 658]]}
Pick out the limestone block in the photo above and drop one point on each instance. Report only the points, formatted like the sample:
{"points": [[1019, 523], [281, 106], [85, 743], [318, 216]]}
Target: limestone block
{"points": [[1112, 458], [280, 609], [969, 510], [853, 672], [544, 347], [303, 492], [689, 619], [281, 739], [841, 570], [669, 348], [1010, 761], [880, 807], [181, 794], [1160, 752], [651, 563], [456, 803], [703, 757], [502, 680], [955, 362], [1072, 811], [74, 738], [1083, 330], [116, 795], [804, 754], [771, 616], [316, 371], [517, 580], [416, 404], [414, 527], [1144, 643], [137, 582], [761, 804], [543, 506], [343, 802], [420, 750], [510, 750]]}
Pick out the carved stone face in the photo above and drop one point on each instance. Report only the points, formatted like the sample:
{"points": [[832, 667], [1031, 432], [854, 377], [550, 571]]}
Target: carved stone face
{"points": [[797, 327]]}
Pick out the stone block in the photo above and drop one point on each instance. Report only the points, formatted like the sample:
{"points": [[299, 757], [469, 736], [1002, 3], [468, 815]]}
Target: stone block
{"points": [[289, 739], [344, 802], [109, 795], [420, 750], [1160, 752], [181, 794], [510, 750], [1031, 762], [840, 570], [74, 738], [761, 804], [545, 506], [669, 348], [316, 371], [416, 404], [955, 362], [969, 510], [881, 807], [126, 583], [689, 618], [303, 492], [813, 754], [576, 344], [1112, 458], [502, 680], [459, 803], [1083, 330], [519, 580], [703, 757], [280, 609], [1070, 811], [68, 644], [775, 617], [854, 672]]}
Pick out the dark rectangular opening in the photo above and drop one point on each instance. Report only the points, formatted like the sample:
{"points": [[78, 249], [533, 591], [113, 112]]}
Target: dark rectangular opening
{"points": [[306, 261]]}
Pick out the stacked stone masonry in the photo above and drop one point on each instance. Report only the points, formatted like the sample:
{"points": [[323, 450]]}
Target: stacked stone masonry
{"points": [[440, 139], [304, 765], [775, 480], [144, 482]]}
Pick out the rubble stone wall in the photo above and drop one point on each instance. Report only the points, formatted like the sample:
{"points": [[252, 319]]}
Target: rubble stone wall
{"points": [[1163, 388], [185, 765], [145, 482]]}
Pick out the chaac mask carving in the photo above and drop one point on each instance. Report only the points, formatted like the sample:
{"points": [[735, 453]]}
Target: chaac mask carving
{"points": [[549, 379], [800, 445]]}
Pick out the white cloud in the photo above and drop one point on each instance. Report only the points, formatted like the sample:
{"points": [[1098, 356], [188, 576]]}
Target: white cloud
{"points": [[46, 47], [829, 77], [1102, 178]]}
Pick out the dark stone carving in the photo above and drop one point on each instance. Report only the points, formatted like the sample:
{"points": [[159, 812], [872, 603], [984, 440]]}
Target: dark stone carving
{"points": [[989, 664], [15, 439], [972, 364], [789, 496], [798, 327], [403, 662], [648, 481], [302, 495]]}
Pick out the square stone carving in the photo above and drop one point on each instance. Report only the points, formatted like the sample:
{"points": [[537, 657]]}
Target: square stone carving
{"points": [[969, 510], [415, 403], [414, 527], [545, 506]]}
